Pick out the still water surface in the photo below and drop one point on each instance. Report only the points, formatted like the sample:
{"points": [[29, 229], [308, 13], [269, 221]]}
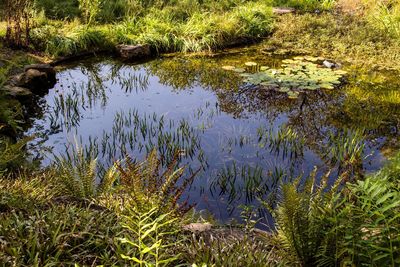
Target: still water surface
{"points": [[245, 140]]}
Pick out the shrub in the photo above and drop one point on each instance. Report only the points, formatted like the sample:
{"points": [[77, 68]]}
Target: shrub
{"points": [[59, 9], [89, 10], [357, 225], [18, 17], [78, 175]]}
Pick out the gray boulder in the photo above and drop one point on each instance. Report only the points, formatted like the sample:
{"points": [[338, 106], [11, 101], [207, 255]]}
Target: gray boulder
{"points": [[39, 78], [131, 52], [46, 68], [19, 93]]}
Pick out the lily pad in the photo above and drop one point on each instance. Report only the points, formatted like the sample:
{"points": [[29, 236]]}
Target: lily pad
{"points": [[327, 86], [296, 75], [284, 89], [239, 70], [250, 64], [228, 67]]}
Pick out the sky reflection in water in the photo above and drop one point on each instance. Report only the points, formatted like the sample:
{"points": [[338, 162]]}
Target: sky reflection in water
{"points": [[219, 124]]}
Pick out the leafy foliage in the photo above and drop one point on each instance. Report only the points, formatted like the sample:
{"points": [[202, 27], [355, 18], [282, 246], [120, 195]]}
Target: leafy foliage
{"points": [[149, 237], [59, 235], [385, 15], [357, 225], [147, 183], [307, 5], [78, 175], [89, 9], [13, 155]]}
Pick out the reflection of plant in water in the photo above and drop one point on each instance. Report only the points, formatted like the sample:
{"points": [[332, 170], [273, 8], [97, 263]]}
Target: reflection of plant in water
{"points": [[184, 74], [129, 78], [286, 141], [133, 82], [69, 105], [142, 133], [245, 183], [346, 149], [373, 103], [65, 112]]}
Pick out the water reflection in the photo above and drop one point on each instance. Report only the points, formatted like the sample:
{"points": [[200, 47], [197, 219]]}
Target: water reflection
{"points": [[245, 140]]}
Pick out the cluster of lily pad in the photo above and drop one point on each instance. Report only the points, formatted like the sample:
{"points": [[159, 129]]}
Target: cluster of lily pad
{"points": [[296, 75]]}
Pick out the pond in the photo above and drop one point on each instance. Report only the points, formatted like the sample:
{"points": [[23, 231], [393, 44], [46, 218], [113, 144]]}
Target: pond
{"points": [[244, 138]]}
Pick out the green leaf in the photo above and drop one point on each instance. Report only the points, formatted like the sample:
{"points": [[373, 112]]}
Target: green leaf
{"points": [[132, 259]]}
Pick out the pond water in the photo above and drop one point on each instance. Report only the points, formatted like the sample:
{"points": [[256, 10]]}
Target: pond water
{"points": [[245, 140]]}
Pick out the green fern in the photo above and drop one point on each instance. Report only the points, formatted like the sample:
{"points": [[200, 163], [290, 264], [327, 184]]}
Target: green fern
{"points": [[149, 239], [347, 224], [147, 182], [78, 175]]}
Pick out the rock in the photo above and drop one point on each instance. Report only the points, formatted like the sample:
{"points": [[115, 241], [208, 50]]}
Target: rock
{"points": [[35, 80], [20, 93], [130, 52], [38, 78], [197, 227], [46, 68], [282, 10], [16, 80], [328, 64]]}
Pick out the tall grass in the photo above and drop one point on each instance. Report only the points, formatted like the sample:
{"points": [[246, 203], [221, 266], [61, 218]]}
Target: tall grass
{"points": [[385, 15], [171, 26]]}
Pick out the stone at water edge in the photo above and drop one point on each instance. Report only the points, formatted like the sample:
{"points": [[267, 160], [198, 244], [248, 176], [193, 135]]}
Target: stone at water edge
{"points": [[282, 10], [17, 92], [35, 80], [330, 65], [129, 52], [46, 68], [38, 78], [197, 227]]}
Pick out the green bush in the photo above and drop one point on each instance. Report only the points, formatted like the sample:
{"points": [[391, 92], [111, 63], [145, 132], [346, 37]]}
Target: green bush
{"points": [[357, 225]]}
